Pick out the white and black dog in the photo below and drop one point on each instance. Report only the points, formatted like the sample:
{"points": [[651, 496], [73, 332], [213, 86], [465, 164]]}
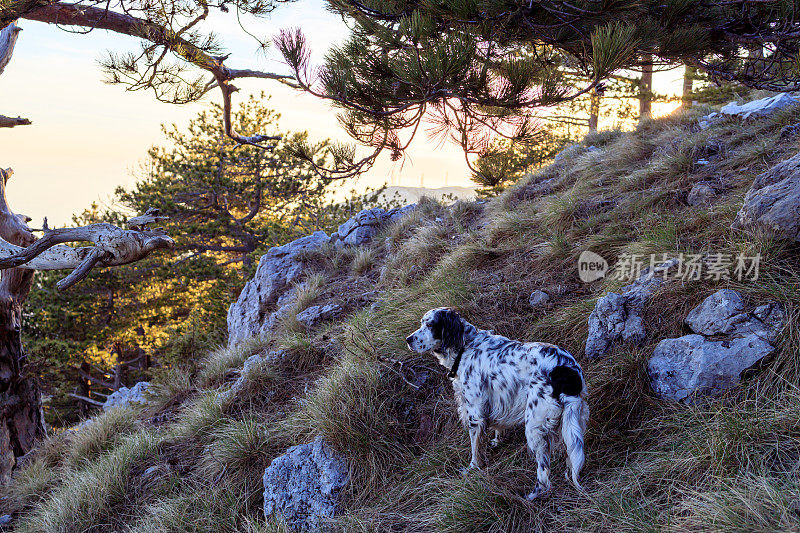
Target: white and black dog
{"points": [[500, 383]]}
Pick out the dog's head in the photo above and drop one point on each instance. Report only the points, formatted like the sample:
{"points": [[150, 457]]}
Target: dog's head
{"points": [[441, 332]]}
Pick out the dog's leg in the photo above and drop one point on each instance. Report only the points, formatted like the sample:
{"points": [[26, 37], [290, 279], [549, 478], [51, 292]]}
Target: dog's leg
{"points": [[541, 417], [477, 432]]}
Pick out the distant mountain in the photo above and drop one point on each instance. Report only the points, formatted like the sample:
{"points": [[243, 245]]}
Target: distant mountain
{"points": [[413, 194]]}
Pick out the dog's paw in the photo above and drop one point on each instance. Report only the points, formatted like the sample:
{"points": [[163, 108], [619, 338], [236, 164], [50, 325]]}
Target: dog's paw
{"points": [[538, 493]]}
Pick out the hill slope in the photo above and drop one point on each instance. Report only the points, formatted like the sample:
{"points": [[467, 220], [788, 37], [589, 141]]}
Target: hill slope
{"points": [[192, 459]]}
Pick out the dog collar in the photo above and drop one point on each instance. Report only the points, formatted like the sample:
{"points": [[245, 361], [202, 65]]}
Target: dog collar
{"points": [[453, 371]]}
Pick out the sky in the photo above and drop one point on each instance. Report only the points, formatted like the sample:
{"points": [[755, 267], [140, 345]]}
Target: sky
{"points": [[88, 137]]}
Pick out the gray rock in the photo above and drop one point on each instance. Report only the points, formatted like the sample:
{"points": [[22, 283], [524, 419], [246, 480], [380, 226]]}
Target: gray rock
{"points": [[693, 365], [711, 317], [5, 520], [773, 202], [302, 486], [361, 228], [758, 108], [619, 316], [702, 193], [125, 396], [538, 298], [277, 270], [310, 316], [252, 365]]}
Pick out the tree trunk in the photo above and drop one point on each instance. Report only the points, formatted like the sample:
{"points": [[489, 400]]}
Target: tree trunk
{"points": [[688, 81], [594, 110], [646, 88], [21, 417]]}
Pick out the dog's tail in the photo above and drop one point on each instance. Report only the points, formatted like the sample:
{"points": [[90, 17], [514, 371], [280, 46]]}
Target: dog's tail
{"points": [[573, 426]]}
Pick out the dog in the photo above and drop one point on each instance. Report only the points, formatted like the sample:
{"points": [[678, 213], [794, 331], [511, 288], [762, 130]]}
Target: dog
{"points": [[500, 383]]}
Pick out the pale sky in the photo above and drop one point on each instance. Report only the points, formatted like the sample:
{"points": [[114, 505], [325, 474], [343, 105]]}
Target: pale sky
{"points": [[88, 137]]}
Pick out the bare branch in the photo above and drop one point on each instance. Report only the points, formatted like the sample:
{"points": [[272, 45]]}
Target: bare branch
{"points": [[150, 216], [8, 38], [10, 122], [66, 14]]}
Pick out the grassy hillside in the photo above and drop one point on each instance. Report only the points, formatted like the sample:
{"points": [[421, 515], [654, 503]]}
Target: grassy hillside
{"points": [[188, 462]]}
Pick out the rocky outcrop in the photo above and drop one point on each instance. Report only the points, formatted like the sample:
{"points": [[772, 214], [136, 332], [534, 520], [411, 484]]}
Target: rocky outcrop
{"points": [[727, 341], [311, 316], [302, 486], [125, 396], [619, 316], [281, 266], [271, 294], [773, 202]]}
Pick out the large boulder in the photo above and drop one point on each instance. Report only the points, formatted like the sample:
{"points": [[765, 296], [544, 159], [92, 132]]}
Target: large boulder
{"points": [[727, 341], [125, 396], [277, 269], [619, 316], [302, 486], [773, 202]]}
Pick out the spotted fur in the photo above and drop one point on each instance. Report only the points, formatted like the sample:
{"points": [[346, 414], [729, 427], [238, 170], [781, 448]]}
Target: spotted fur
{"points": [[501, 383]]}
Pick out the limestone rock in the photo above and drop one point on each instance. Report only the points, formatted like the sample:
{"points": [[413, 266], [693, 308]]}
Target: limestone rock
{"points": [[773, 202], [317, 313], [712, 316], [251, 366], [538, 298], [125, 396], [758, 108], [361, 228], [619, 316], [302, 486], [693, 365], [702, 193], [277, 270]]}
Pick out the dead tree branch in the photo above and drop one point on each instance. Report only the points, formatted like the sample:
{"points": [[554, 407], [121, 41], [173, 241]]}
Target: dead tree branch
{"points": [[112, 245]]}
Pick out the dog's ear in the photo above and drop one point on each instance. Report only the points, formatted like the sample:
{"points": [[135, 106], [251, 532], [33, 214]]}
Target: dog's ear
{"points": [[452, 331]]}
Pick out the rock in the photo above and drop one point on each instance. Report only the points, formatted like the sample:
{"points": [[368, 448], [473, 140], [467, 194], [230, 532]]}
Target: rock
{"points": [[361, 228], [277, 269], [538, 299], [702, 193], [706, 121], [252, 365], [302, 486], [125, 396], [5, 520], [790, 130], [693, 365], [619, 316], [711, 317], [773, 202], [316, 313], [758, 108]]}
